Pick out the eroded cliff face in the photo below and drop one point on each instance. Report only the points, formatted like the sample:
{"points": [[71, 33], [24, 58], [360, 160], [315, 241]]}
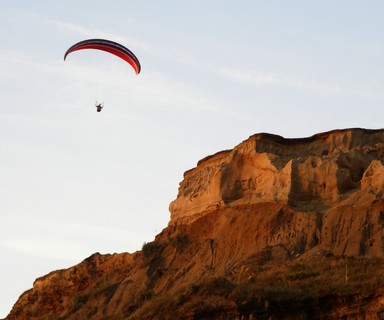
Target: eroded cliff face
{"points": [[309, 174], [333, 182], [275, 228]]}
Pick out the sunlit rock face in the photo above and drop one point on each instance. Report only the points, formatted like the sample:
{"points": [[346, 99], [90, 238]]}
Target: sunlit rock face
{"points": [[329, 188], [339, 167]]}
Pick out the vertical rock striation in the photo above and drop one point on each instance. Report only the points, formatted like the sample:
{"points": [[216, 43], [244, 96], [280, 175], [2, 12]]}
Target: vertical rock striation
{"points": [[335, 178]]}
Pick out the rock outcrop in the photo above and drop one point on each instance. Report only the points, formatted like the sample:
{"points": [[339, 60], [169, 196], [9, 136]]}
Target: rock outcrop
{"points": [[329, 180], [309, 174], [274, 228]]}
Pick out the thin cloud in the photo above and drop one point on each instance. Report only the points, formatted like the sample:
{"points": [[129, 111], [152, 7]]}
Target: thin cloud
{"points": [[66, 26], [273, 80], [81, 30], [91, 33], [286, 81], [248, 78]]}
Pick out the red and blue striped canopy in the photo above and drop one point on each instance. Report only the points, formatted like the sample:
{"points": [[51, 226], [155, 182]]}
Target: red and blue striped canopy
{"points": [[108, 46]]}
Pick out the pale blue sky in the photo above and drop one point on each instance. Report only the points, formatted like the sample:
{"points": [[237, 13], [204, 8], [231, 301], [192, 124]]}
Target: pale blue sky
{"points": [[74, 182]]}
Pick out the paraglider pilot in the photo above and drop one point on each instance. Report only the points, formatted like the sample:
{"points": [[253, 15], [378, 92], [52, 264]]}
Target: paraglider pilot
{"points": [[99, 106]]}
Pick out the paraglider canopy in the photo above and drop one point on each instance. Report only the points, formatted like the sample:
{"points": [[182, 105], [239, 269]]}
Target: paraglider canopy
{"points": [[107, 46]]}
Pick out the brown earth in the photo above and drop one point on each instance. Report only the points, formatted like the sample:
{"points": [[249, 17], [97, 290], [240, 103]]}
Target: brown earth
{"points": [[272, 229]]}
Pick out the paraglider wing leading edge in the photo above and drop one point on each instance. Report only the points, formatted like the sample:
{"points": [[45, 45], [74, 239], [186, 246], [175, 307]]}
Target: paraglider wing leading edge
{"points": [[107, 46]]}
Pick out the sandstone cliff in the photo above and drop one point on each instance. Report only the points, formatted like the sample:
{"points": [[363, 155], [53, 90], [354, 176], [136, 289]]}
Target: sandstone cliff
{"points": [[274, 228]]}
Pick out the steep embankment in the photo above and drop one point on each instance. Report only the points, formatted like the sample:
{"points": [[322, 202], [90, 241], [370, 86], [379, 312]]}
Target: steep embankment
{"points": [[275, 228]]}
